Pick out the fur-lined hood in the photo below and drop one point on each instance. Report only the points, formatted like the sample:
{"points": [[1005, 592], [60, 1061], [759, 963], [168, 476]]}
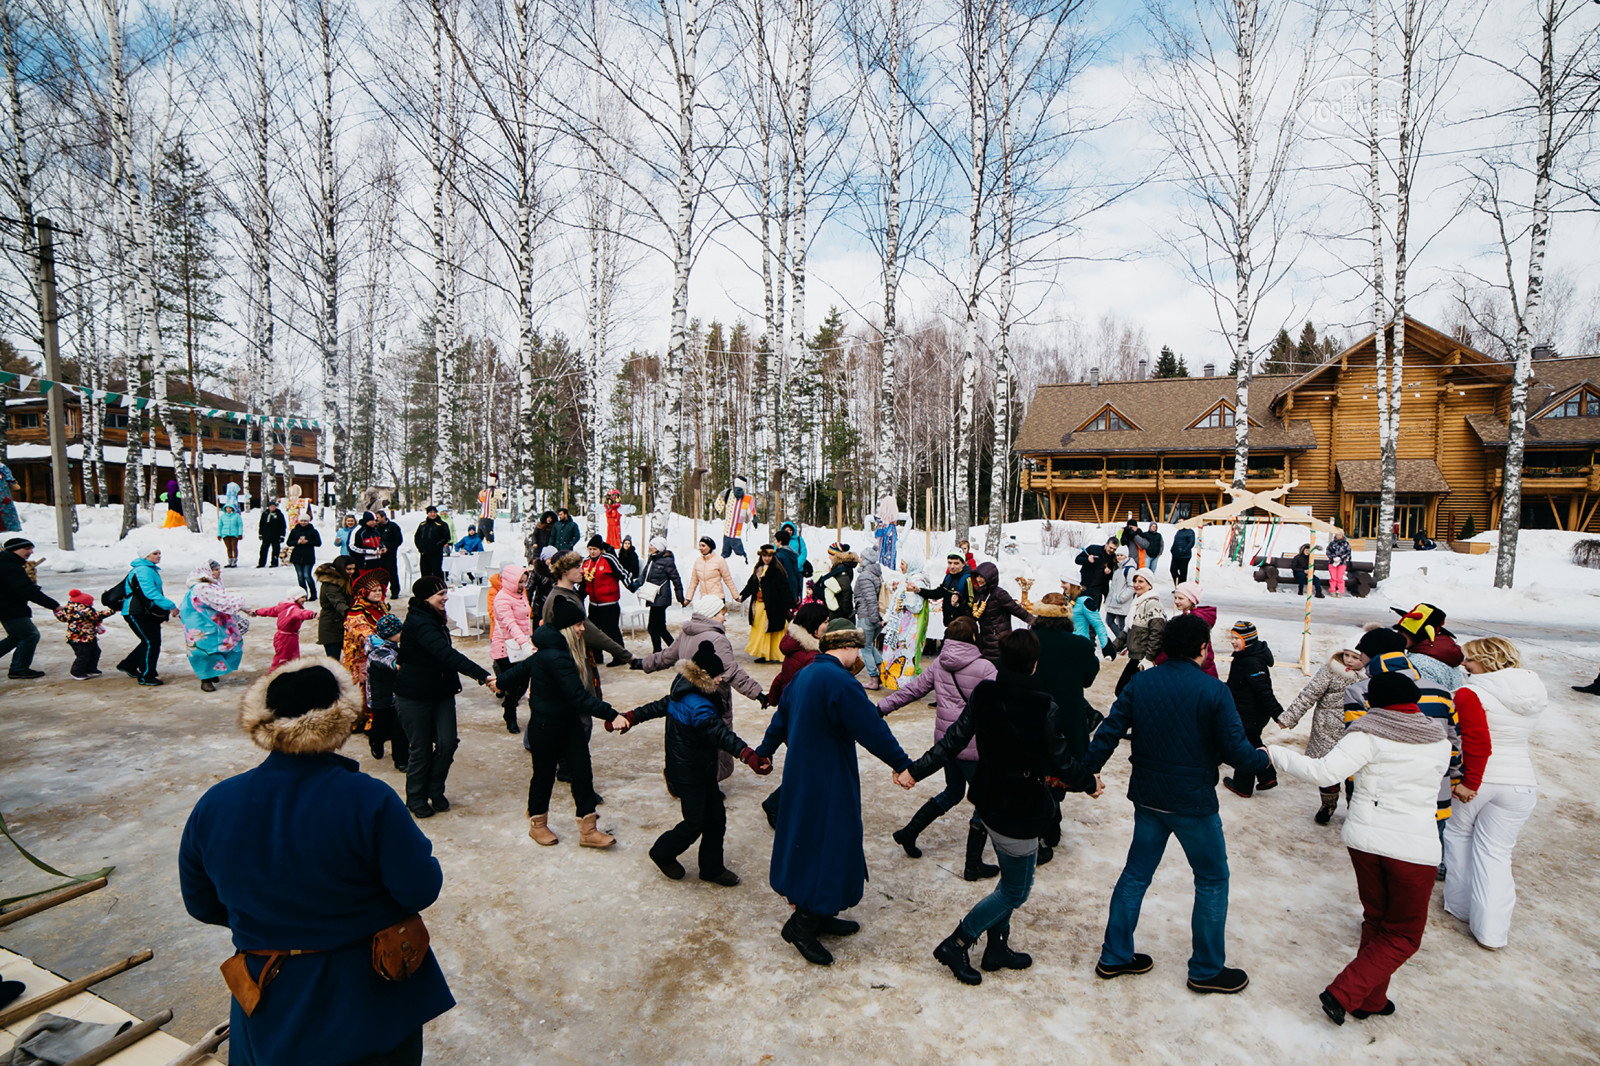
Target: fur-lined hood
{"points": [[838, 559], [806, 641], [1340, 670], [1052, 616], [703, 682], [314, 733]]}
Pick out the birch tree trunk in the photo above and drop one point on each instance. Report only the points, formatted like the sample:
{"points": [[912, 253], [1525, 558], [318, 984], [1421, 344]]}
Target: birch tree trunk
{"points": [[523, 435], [1505, 566], [798, 360], [999, 465], [1379, 322], [1244, 145], [976, 33], [443, 358], [262, 372], [669, 460], [888, 446], [334, 435]]}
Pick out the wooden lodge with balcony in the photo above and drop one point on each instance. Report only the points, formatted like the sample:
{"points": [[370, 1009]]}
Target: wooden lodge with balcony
{"points": [[1099, 451], [231, 450]]}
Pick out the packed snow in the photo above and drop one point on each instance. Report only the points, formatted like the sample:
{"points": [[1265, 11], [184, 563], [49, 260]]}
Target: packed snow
{"points": [[563, 954]]}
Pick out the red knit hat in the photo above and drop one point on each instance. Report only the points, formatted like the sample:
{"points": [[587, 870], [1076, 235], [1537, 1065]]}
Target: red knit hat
{"points": [[79, 596]]}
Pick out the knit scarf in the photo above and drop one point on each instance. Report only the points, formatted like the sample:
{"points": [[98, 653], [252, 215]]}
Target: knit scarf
{"points": [[1402, 722]]}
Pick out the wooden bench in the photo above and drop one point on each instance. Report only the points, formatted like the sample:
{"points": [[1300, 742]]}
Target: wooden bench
{"points": [[1358, 579]]}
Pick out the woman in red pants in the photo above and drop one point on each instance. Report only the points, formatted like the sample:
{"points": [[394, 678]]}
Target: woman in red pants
{"points": [[1397, 755]]}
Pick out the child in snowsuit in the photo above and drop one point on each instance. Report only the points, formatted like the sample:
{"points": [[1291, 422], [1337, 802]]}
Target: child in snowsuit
{"points": [[1250, 681], [83, 629], [291, 614], [1323, 695], [383, 666], [695, 733]]}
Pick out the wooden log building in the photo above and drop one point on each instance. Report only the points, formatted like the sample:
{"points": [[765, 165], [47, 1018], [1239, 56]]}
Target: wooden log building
{"points": [[1097, 451], [231, 450]]}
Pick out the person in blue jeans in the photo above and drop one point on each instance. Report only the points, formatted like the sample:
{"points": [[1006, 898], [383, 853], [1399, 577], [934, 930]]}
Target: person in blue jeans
{"points": [[1183, 724], [1021, 747]]}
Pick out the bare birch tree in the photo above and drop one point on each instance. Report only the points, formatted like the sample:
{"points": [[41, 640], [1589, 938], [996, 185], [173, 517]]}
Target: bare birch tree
{"points": [[1226, 99]]}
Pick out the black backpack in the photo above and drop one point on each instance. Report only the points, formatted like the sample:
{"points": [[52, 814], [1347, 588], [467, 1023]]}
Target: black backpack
{"points": [[118, 594]]}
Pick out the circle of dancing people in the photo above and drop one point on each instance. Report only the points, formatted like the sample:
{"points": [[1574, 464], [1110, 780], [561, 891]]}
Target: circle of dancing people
{"points": [[1428, 740]]}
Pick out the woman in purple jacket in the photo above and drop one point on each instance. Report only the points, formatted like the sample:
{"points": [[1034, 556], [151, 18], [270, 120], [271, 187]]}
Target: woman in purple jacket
{"points": [[953, 676]]}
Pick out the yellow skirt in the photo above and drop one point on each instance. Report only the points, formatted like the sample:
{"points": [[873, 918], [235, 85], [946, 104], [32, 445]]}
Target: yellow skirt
{"points": [[763, 645], [174, 519]]}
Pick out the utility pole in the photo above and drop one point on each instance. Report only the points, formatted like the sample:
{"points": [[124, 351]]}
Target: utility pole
{"points": [[56, 403]]}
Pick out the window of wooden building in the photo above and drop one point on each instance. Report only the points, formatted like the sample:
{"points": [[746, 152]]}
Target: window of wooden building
{"points": [[1218, 417], [30, 420], [1581, 404], [1108, 418], [116, 420]]}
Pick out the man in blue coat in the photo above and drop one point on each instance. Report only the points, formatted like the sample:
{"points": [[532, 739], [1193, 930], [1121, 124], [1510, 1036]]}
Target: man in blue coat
{"points": [[818, 863], [1184, 724], [306, 853]]}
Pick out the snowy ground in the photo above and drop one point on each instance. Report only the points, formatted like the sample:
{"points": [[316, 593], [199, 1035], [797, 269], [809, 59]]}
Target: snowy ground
{"points": [[564, 954]]}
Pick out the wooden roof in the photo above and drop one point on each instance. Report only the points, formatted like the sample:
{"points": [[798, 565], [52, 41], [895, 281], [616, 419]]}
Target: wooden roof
{"points": [[1411, 476], [1161, 410], [1552, 380], [1419, 335]]}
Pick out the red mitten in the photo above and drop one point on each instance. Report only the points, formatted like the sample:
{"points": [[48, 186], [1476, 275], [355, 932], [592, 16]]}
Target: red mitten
{"points": [[765, 768], [749, 757]]}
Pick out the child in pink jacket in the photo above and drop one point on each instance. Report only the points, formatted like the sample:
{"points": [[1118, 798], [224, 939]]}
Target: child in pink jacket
{"points": [[291, 614]]}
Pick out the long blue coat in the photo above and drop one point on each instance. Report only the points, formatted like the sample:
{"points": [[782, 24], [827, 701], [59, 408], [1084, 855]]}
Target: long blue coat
{"points": [[306, 851], [817, 859]]}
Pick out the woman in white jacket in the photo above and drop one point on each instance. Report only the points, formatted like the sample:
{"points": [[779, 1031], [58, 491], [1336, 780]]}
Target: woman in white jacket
{"points": [[1499, 709], [1397, 755]]}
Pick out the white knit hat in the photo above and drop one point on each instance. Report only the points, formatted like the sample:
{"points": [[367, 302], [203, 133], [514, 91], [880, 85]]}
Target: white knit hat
{"points": [[708, 606], [658, 543]]}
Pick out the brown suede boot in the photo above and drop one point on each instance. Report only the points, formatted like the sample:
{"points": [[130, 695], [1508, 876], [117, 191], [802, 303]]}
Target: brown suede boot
{"points": [[591, 837], [540, 832]]}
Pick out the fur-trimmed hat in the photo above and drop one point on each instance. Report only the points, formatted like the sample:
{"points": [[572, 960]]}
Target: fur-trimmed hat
{"points": [[842, 633], [1052, 605], [307, 706], [565, 613]]}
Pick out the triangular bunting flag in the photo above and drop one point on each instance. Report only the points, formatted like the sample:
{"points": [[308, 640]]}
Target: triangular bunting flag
{"points": [[45, 385], [22, 382]]}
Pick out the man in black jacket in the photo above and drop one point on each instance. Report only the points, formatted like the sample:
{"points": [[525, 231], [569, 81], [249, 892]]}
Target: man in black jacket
{"points": [[1096, 564], [392, 539], [432, 538], [17, 590], [272, 528], [425, 695]]}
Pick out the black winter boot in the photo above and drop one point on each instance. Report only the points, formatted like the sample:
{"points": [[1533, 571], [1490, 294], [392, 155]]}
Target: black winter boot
{"points": [[801, 931], [1330, 803], [907, 837], [997, 953], [1592, 688], [977, 869], [511, 721], [770, 806], [1046, 853], [952, 951]]}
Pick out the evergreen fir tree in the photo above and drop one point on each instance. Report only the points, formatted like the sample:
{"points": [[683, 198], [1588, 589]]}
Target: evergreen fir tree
{"points": [[1169, 366], [1280, 357]]}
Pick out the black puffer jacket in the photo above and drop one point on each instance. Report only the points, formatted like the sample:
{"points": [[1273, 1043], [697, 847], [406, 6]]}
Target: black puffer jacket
{"points": [[1250, 681], [662, 570], [432, 536], [695, 729], [555, 688], [776, 595], [1020, 743], [17, 589], [334, 593], [429, 662], [994, 608]]}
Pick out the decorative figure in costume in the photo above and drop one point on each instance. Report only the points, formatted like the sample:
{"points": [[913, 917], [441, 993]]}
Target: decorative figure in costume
{"points": [[888, 531], [738, 507], [232, 498], [174, 506], [294, 506], [904, 627], [614, 518], [489, 500]]}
